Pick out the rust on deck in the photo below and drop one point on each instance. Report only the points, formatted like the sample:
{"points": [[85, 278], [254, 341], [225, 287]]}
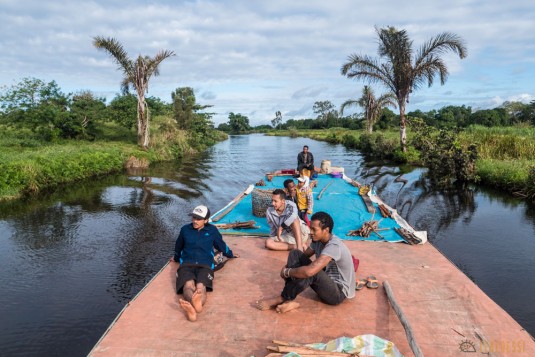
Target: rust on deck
{"points": [[440, 302]]}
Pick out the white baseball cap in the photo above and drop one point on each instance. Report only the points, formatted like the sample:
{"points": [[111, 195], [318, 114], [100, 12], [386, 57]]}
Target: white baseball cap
{"points": [[301, 179], [201, 212]]}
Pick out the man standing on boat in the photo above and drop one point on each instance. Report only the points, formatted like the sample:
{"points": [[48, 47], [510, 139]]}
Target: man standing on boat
{"points": [[305, 161], [331, 275], [194, 250], [286, 230]]}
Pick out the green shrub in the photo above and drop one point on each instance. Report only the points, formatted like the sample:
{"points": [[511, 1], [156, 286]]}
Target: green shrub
{"points": [[411, 156]]}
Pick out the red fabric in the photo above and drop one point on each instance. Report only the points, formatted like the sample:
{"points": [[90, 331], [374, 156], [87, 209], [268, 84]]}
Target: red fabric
{"points": [[355, 263], [307, 221]]}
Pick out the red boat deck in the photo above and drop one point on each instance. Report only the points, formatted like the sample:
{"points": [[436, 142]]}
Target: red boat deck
{"points": [[440, 302]]}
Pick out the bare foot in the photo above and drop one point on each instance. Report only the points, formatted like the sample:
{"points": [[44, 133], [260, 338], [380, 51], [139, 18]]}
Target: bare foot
{"points": [[191, 314], [196, 301], [267, 304], [287, 306]]}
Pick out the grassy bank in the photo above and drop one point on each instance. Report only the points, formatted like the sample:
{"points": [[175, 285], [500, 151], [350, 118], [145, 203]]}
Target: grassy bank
{"points": [[506, 157], [506, 154], [28, 165]]}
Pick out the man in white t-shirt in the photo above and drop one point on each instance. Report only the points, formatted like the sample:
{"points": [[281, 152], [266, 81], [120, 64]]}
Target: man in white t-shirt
{"points": [[287, 230], [331, 275]]}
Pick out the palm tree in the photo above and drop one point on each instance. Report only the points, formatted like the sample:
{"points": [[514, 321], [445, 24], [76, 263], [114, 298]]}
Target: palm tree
{"points": [[137, 73], [372, 106], [402, 70]]}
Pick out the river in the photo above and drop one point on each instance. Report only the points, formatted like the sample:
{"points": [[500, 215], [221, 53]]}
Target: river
{"points": [[72, 258]]}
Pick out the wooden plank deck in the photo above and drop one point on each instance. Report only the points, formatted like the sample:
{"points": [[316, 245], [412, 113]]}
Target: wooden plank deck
{"points": [[439, 300]]}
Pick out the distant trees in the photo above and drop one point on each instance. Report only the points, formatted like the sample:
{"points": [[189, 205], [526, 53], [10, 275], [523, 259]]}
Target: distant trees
{"points": [[45, 110], [277, 121], [137, 72], [372, 106], [186, 109], [402, 70], [238, 123], [326, 112]]}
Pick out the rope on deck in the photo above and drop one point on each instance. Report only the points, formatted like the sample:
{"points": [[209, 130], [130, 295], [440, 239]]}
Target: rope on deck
{"points": [[401, 316]]}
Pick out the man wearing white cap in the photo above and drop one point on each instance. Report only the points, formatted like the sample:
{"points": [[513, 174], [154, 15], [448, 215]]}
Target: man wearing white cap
{"points": [[194, 250]]}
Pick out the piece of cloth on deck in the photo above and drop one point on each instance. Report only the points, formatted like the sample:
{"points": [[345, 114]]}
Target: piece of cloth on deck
{"points": [[368, 345]]}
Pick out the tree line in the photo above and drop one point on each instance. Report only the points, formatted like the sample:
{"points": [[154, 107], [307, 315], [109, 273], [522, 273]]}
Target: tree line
{"points": [[380, 118], [50, 114]]}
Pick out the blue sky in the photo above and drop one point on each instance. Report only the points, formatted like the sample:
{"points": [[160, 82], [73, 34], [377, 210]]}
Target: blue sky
{"points": [[258, 57]]}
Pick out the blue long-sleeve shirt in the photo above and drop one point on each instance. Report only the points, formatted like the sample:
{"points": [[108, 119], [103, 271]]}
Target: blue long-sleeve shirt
{"points": [[197, 246]]}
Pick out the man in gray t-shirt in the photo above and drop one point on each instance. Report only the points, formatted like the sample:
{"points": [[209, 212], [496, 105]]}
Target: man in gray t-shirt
{"points": [[331, 275], [286, 230]]}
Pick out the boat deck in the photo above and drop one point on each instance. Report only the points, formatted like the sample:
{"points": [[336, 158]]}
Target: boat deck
{"points": [[440, 303]]}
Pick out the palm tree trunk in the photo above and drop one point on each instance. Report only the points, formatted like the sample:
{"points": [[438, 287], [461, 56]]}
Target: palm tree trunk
{"points": [[402, 126], [142, 123]]}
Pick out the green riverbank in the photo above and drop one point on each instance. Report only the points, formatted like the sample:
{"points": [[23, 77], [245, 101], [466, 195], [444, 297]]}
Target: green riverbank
{"points": [[29, 165]]}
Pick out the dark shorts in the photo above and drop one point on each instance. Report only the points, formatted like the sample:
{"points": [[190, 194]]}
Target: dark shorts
{"points": [[199, 274]]}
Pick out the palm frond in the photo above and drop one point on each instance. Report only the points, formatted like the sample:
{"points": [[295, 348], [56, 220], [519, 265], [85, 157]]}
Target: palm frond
{"points": [[368, 68], [348, 104], [440, 44], [116, 50]]}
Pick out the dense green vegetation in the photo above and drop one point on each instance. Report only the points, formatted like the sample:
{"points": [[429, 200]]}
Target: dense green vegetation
{"points": [[51, 138]]}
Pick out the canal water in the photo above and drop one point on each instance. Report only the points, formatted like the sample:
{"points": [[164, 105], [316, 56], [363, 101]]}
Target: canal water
{"points": [[72, 258]]}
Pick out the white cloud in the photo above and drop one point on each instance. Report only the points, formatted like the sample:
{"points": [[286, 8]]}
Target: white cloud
{"points": [[251, 57]]}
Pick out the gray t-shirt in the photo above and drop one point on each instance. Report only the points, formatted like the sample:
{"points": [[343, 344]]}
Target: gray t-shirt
{"points": [[284, 220], [340, 269]]}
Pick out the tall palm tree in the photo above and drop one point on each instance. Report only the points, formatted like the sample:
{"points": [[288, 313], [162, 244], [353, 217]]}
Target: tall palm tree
{"points": [[402, 70], [372, 105], [137, 72]]}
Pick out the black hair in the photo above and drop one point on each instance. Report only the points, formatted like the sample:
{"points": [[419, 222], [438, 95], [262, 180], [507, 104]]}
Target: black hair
{"points": [[279, 192], [287, 182], [325, 219], [305, 146]]}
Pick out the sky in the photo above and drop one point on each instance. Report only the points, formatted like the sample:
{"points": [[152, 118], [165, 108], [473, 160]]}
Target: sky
{"points": [[259, 57]]}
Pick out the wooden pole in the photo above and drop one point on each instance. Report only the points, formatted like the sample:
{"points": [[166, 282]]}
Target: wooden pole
{"points": [[406, 325], [236, 200], [321, 193]]}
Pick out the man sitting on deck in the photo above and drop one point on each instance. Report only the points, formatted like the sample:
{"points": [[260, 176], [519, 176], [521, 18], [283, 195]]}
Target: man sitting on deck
{"points": [[287, 230], [194, 250], [305, 162], [333, 285]]}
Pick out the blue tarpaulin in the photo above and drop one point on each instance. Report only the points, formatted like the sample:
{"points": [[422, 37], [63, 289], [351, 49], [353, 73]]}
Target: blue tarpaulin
{"points": [[341, 200]]}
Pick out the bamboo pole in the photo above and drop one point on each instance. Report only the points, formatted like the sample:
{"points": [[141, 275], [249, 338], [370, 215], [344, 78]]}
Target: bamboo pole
{"points": [[406, 325], [235, 201], [323, 190]]}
